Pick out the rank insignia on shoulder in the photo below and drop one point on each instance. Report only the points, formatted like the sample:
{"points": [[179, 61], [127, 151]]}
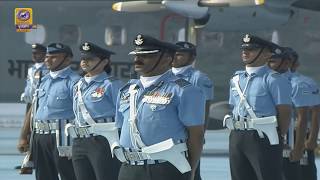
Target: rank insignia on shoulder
{"points": [[98, 93], [112, 78], [182, 83], [124, 96]]}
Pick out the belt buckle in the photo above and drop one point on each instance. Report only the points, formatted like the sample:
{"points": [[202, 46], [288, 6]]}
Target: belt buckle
{"points": [[82, 131], [132, 156], [52, 126], [40, 125], [43, 127], [238, 125]]}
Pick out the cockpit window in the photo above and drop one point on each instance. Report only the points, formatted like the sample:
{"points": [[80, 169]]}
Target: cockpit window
{"points": [[182, 34], [115, 35], [37, 35]]}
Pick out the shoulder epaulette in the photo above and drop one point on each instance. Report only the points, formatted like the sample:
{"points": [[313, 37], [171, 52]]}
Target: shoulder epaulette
{"points": [[126, 86], [182, 83], [238, 72], [274, 73], [74, 76], [112, 78]]}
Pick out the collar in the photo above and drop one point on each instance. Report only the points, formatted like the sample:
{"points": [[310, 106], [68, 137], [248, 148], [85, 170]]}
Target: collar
{"points": [[97, 78], [256, 70], [38, 65], [146, 82], [288, 74], [181, 70], [63, 73]]}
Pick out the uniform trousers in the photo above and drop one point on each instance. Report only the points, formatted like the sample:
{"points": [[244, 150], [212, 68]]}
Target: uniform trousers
{"points": [[253, 158], [92, 160], [291, 170], [161, 171], [198, 172], [48, 163], [309, 171]]}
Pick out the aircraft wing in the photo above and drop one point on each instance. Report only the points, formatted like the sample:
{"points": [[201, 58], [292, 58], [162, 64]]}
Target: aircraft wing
{"points": [[225, 15], [313, 5]]}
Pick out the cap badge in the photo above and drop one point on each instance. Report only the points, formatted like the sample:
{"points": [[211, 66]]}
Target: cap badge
{"points": [[86, 47], [139, 40], [247, 38], [278, 51]]}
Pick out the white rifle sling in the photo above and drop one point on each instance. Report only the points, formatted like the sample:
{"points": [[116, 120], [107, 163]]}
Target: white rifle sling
{"points": [[134, 132], [84, 112], [108, 130], [165, 150], [267, 125], [235, 80]]}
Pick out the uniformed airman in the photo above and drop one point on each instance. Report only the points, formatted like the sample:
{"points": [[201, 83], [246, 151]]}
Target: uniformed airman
{"points": [[94, 103], [35, 72], [51, 146], [292, 147], [260, 116], [182, 67], [158, 121], [306, 99]]}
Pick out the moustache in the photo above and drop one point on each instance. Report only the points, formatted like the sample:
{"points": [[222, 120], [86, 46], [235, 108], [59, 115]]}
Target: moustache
{"points": [[138, 63]]}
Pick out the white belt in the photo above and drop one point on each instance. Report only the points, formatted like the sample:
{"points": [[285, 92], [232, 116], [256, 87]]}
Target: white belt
{"points": [[45, 127], [163, 151], [81, 132], [242, 125], [87, 131], [139, 158], [145, 162], [267, 125]]}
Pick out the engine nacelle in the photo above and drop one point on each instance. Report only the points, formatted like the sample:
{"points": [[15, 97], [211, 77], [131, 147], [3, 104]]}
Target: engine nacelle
{"points": [[188, 9], [247, 18]]}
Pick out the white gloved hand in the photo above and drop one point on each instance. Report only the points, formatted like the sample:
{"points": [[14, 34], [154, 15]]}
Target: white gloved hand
{"points": [[22, 96], [228, 121]]}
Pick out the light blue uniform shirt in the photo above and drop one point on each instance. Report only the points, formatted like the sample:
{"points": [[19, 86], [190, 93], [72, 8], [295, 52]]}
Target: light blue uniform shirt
{"points": [[31, 82], [99, 97], [265, 90], [198, 79], [305, 91], [56, 96], [159, 122]]}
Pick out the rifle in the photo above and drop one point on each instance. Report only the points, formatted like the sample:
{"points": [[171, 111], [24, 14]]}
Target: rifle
{"points": [[27, 163]]}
